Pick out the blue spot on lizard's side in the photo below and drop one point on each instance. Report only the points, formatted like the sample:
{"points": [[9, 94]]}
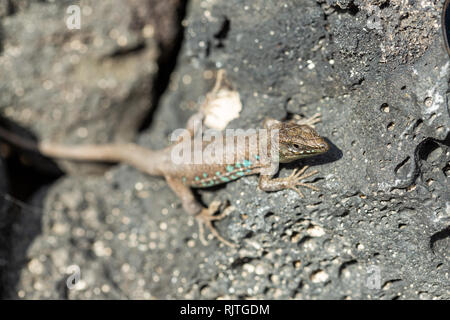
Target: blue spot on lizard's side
{"points": [[247, 163]]}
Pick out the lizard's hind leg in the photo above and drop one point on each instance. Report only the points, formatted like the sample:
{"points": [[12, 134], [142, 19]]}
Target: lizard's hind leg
{"points": [[206, 217]]}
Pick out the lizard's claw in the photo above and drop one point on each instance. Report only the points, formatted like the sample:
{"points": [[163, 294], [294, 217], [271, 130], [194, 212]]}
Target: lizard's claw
{"points": [[206, 217], [311, 121], [294, 180]]}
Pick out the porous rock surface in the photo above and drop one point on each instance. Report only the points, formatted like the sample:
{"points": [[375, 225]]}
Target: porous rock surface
{"points": [[379, 227]]}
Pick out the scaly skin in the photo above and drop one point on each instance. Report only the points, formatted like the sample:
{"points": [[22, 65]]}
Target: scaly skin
{"points": [[297, 140]]}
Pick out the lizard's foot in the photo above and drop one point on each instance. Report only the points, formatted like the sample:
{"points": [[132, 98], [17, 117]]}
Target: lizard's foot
{"points": [[294, 180], [206, 217], [311, 121]]}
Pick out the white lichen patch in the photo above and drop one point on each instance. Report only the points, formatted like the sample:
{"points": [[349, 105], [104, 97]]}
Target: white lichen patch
{"points": [[221, 106], [225, 107]]}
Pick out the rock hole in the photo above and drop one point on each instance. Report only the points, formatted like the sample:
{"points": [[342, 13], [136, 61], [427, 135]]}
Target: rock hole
{"points": [[446, 170], [388, 284], [344, 269], [401, 168], [268, 214], [428, 102], [440, 241], [248, 235], [385, 5], [239, 262], [390, 126], [418, 125], [429, 150], [385, 108], [353, 9]]}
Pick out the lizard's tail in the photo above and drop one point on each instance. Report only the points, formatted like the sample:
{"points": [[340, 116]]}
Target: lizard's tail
{"points": [[129, 153]]}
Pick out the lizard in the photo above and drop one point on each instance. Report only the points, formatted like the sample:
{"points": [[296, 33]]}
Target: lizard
{"points": [[297, 139]]}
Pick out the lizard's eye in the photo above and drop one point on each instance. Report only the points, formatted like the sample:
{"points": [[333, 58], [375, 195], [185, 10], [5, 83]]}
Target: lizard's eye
{"points": [[295, 147]]}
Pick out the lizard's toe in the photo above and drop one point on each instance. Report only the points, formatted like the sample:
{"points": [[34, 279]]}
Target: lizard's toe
{"points": [[213, 208], [296, 178], [206, 218]]}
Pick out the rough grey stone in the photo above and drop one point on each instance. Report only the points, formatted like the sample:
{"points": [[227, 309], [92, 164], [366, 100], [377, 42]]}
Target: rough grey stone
{"points": [[78, 86], [378, 73]]}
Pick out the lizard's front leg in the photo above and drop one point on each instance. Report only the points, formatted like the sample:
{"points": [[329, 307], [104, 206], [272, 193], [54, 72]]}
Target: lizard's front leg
{"points": [[204, 216], [267, 183]]}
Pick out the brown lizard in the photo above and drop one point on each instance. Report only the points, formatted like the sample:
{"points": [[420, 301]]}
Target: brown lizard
{"points": [[296, 140]]}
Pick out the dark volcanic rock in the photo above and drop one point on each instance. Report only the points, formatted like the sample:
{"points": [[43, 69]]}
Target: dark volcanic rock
{"points": [[378, 73], [95, 84]]}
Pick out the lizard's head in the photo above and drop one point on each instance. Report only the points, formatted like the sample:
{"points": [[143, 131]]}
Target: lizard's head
{"points": [[299, 141]]}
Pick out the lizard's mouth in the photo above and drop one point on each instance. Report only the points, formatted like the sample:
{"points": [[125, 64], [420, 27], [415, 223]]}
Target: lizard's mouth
{"points": [[322, 147], [294, 152]]}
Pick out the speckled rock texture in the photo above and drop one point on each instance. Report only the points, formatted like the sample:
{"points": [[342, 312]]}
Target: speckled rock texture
{"points": [[378, 229], [95, 84]]}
